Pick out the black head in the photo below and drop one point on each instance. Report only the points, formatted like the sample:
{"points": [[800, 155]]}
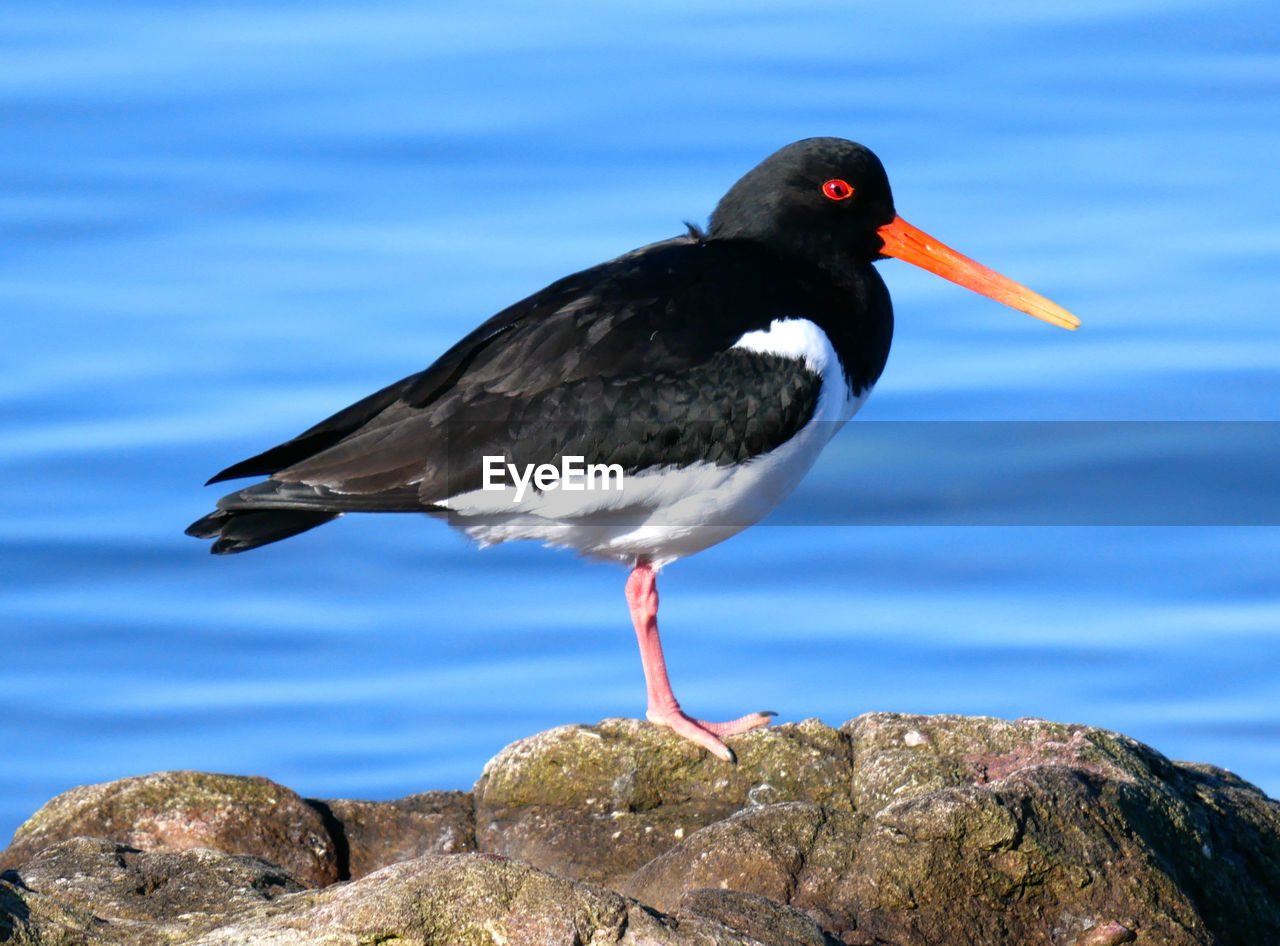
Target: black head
{"points": [[820, 198]]}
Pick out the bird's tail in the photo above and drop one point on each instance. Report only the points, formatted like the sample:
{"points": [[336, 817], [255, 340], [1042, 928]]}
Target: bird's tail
{"points": [[237, 530]]}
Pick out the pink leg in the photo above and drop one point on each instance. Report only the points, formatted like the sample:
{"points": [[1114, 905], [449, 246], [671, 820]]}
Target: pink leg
{"points": [[664, 709]]}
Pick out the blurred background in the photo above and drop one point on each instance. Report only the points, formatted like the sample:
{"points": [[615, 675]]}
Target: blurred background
{"points": [[223, 221]]}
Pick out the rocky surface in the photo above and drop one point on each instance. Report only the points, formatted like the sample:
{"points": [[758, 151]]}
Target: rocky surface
{"points": [[372, 834], [178, 811], [597, 802], [891, 829]]}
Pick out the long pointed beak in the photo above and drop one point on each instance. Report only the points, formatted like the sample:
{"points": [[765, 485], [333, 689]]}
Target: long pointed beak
{"points": [[909, 243]]}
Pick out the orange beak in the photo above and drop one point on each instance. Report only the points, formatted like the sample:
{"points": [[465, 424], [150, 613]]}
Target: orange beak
{"points": [[906, 242]]}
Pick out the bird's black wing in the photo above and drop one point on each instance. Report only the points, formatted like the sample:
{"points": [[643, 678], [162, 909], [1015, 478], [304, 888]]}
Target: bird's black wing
{"points": [[419, 390]]}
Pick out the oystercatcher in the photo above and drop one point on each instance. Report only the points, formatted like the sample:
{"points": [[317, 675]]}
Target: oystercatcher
{"points": [[641, 410]]}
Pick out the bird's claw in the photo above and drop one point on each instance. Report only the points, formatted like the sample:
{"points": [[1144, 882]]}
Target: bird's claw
{"points": [[710, 735]]}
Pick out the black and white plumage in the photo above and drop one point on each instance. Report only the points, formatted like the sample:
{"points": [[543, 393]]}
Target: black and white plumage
{"points": [[688, 359], [712, 368]]}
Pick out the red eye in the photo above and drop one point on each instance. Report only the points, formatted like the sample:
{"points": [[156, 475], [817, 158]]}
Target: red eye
{"points": [[837, 189]]}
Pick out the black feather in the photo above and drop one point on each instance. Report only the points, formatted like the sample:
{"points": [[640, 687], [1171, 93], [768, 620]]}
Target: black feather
{"points": [[238, 531]]}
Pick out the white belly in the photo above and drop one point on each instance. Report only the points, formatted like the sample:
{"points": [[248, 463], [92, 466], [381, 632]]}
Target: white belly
{"points": [[664, 514]]}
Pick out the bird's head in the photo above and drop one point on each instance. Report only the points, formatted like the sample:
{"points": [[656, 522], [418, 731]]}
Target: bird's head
{"points": [[815, 196], [827, 200]]}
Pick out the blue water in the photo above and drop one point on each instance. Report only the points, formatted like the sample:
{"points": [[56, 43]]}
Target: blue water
{"points": [[222, 222]]}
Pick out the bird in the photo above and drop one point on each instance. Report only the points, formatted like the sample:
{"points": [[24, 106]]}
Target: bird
{"points": [[643, 409]]}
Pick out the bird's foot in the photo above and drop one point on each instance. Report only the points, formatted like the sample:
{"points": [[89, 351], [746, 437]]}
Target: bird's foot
{"points": [[709, 735]]}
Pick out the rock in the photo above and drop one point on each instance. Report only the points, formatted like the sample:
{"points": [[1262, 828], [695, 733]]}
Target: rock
{"points": [[893, 829], [1088, 826], [1020, 829], [373, 834], [204, 898], [758, 918], [93, 890], [596, 802], [29, 917], [177, 811], [462, 899], [479, 899], [761, 851]]}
